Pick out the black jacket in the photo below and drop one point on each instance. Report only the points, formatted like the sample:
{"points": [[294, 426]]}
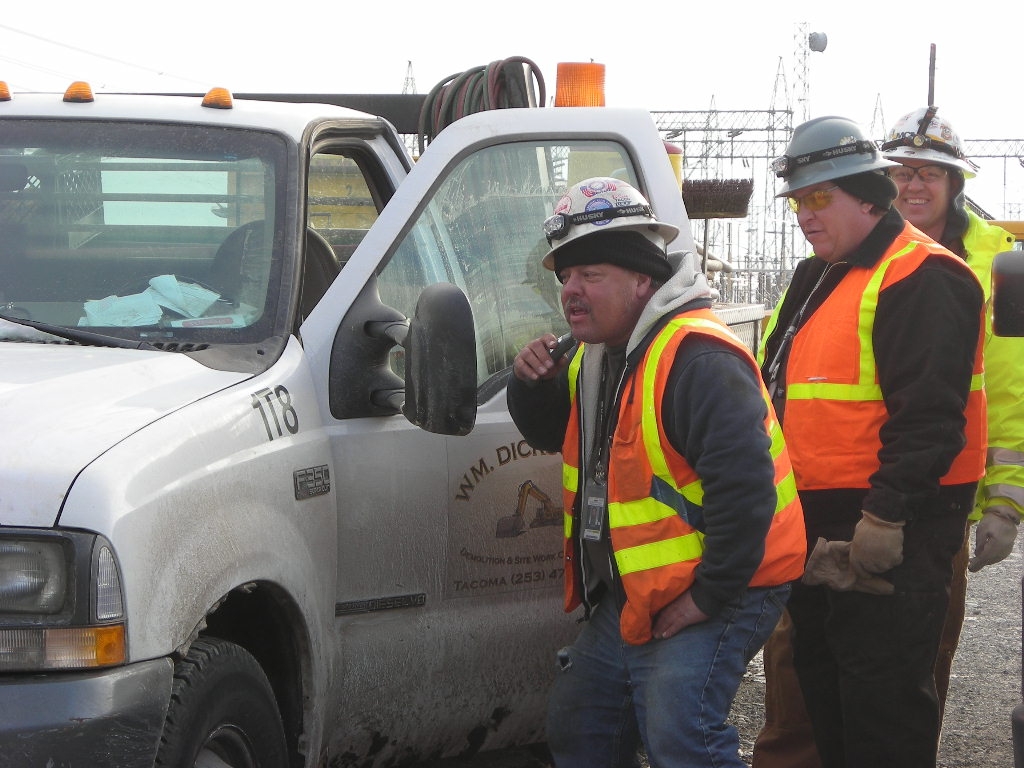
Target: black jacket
{"points": [[715, 418], [925, 333]]}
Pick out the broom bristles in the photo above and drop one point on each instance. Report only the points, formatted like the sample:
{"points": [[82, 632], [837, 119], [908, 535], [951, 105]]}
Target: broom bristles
{"points": [[717, 198]]}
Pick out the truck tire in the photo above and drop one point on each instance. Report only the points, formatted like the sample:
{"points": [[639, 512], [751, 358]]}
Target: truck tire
{"points": [[222, 712]]}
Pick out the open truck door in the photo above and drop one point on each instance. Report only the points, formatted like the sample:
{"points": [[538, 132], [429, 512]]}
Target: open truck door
{"points": [[1008, 320]]}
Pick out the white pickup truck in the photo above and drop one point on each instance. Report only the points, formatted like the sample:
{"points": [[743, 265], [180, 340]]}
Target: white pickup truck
{"points": [[250, 514]]}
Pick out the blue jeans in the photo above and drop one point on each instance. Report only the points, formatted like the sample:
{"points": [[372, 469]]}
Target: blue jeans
{"points": [[674, 695]]}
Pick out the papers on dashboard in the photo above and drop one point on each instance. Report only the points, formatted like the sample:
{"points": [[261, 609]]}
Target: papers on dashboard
{"points": [[184, 298]]}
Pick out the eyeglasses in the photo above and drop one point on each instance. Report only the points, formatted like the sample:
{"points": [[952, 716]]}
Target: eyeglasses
{"points": [[929, 174], [818, 200]]}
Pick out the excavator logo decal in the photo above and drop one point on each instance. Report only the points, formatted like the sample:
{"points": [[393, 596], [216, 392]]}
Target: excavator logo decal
{"points": [[545, 513]]}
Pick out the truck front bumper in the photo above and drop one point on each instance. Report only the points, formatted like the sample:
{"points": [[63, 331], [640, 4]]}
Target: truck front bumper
{"points": [[108, 718]]}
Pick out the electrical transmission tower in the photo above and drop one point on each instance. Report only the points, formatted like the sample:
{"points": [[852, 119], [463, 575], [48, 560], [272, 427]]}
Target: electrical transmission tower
{"points": [[801, 89], [878, 124], [409, 86], [762, 250]]}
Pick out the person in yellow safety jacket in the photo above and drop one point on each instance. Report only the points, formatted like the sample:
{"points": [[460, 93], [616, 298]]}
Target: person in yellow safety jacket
{"points": [[931, 183], [874, 361], [931, 197], [683, 529]]}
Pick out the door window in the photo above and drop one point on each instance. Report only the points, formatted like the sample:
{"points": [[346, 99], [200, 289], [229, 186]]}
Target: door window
{"points": [[341, 206], [482, 230]]}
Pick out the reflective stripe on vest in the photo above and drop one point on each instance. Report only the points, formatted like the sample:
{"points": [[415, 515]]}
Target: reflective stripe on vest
{"points": [[656, 550], [856, 404]]}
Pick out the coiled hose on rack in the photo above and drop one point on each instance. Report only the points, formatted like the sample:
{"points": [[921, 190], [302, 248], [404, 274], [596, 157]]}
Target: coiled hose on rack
{"points": [[502, 84]]}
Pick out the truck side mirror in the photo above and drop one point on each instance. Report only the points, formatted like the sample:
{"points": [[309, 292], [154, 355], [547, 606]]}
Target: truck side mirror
{"points": [[439, 349], [1008, 294], [440, 362], [1008, 320]]}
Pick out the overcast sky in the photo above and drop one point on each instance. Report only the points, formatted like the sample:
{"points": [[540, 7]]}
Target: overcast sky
{"points": [[658, 55]]}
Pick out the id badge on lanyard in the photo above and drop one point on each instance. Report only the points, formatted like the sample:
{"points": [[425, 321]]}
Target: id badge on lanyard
{"points": [[595, 489], [595, 509]]}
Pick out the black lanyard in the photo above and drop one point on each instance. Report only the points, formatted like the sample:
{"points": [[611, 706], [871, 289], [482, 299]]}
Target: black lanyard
{"points": [[599, 450]]}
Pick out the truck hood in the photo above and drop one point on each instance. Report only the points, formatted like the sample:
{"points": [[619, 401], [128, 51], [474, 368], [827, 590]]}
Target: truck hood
{"points": [[62, 406]]}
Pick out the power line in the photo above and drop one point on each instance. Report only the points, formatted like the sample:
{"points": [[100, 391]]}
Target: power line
{"points": [[33, 66], [86, 52]]}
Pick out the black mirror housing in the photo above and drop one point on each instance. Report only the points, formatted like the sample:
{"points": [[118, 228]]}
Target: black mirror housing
{"points": [[440, 372], [1008, 294]]}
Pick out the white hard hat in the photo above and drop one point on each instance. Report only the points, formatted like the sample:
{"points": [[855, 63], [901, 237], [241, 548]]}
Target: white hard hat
{"points": [[602, 204], [922, 135]]}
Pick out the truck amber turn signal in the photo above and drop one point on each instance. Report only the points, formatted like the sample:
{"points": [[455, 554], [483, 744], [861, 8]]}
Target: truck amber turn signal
{"points": [[79, 92], [218, 98]]}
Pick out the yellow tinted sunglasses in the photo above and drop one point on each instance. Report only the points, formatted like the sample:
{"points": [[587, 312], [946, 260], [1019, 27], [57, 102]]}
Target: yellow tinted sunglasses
{"points": [[817, 200]]}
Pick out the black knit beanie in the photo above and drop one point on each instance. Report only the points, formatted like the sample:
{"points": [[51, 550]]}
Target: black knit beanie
{"points": [[623, 248], [870, 186]]}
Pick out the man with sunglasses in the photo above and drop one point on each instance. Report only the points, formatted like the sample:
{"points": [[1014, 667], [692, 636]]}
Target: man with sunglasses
{"points": [[683, 529], [873, 360], [930, 180]]}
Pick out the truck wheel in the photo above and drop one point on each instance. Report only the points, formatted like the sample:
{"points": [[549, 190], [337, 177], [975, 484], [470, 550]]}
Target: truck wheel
{"points": [[222, 712]]}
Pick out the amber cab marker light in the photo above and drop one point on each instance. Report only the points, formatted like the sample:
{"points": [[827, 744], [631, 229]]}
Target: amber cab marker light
{"points": [[218, 98], [79, 92], [5, 91], [579, 84]]}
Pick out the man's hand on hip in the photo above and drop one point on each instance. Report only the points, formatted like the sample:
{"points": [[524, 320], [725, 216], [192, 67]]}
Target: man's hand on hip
{"points": [[677, 616]]}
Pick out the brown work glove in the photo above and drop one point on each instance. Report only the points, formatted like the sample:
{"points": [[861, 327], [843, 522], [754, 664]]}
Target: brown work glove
{"points": [[829, 564], [877, 545], [994, 537]]}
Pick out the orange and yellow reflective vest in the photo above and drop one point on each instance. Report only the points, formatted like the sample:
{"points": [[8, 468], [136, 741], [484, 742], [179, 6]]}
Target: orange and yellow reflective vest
{"points": [[656, 550], [831, 379]]}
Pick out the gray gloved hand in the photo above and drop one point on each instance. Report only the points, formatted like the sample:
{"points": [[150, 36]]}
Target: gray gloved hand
{"points": [[829, 564], [994, 537], [877, 545]]}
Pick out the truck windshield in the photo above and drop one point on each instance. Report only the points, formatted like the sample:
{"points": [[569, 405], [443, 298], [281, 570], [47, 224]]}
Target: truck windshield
{"points": [[142, 231]]}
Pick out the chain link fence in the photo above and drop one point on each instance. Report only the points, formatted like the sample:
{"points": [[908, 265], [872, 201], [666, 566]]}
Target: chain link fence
{"points": [[752, 286]]}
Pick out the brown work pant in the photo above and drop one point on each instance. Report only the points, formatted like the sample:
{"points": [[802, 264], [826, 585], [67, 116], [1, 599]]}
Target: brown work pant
{"points": [[786, 740]]}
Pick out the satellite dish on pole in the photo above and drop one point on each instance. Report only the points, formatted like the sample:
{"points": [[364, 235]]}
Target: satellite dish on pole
{"points": [[817, 41]]}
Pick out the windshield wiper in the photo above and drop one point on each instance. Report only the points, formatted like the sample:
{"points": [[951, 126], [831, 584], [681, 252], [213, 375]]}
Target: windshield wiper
{"points": [[77, 335]]}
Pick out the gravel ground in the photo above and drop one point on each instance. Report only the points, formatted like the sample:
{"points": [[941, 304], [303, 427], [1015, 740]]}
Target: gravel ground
{"points": [[984, 688], [985, 684]]}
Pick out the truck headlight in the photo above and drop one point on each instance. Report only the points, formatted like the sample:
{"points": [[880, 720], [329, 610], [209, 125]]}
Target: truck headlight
{"points": [[60, 601], [33, 578]]}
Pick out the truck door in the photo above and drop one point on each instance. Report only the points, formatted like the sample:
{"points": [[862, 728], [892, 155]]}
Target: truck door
{"points": [[449, 584]]}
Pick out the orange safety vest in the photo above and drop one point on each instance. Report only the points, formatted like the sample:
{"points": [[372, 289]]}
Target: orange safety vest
{"points": [[656, 550], [832, 381]]}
